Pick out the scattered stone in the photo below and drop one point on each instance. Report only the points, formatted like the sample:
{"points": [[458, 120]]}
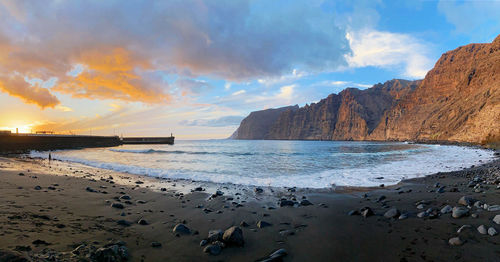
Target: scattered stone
{"points": [[38, 187], [116, 252], [40, 242], [366, 212], [494, 208], [244, 224], [181, 229], [403, 216], [156, 244], [262, 224], [284, 202], [381, 198], [213, 249], [420, 206], [446, 209], [123, 223], [275, 256], [20, 174], [455, 241], [305, 202], [163, 189], [125, 197], [203, 243], [89, 189], [492, 231], [458, 212], [474, 215], [466, 201], [392, 213], [258, 190], [496, 219], [233, 236], [353, 213], [462, 228], [214, 235], [198, 189], [482, 229], [422, 214], [140, 202], [441, 189], [117, 205], [143, 222]]}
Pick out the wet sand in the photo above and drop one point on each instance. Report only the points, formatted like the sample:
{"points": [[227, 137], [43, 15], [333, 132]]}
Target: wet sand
{"points": [[73, 207]]}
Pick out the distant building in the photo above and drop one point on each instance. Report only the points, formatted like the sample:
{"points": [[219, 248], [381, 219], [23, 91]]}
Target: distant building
{"points": [[5, 132], [45, 132]]}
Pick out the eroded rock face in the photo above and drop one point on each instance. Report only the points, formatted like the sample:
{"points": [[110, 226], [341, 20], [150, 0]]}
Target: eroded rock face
{"points": [[458, 100]]}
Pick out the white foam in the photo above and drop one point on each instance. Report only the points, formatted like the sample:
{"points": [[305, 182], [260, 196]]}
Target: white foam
{"points": [[429, 160]]}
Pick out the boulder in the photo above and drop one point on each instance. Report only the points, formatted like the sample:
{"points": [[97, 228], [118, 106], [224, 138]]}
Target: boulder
{"points": [[233, 236]]}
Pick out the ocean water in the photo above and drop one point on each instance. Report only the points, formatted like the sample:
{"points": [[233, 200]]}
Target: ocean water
{"points": [[306, 164]]}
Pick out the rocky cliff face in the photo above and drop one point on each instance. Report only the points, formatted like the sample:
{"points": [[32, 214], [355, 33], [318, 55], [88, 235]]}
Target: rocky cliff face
{"points": [[459, 100]]}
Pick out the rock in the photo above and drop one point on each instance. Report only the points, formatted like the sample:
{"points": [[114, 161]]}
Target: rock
{"points": [[455, 241], [392, 213], [38, 187], [140, 202], [305, 202], [366, 212], [482, 229], [117, 205], [458, 212], [492, 231], [462, 228], [123, 223], [441, 189], [155, 244], [233, 236], [496, 219], [422, 214], [446, 209], [285, 202], [478, 204], [89, 189], [381, 198], [198, 188], [353, 213], [466, 201], [275, 256], [181, 229], [111, 253], [125, 197], [163, 189], [258, 190], [494, 208], [403, 216], [262, 224], [474, 215], [213, 249], [142, 222], [20, 174], [244, 224], [420, 206], [214, 235], [9, 256], [40, 242], [203, 243]]}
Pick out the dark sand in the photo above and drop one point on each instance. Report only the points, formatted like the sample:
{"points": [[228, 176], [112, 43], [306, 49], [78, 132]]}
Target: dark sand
{"points": [[68, 215]]}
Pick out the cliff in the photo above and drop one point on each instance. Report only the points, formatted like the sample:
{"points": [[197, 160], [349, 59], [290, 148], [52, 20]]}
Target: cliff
{"points": [[458, 100]]}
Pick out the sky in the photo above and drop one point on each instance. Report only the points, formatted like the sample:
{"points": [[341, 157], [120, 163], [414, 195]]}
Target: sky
{"points": [[196, 68]]}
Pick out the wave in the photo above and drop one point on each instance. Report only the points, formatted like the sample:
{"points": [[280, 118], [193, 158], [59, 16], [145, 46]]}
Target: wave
{"points": [[154, 151]]}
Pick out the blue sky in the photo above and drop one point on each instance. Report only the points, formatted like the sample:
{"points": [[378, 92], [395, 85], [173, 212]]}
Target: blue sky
{"points": [[196, 68]]}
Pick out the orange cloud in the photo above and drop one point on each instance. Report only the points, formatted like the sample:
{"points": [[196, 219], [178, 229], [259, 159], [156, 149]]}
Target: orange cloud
{"points": [[32, 94], [113, 75]]}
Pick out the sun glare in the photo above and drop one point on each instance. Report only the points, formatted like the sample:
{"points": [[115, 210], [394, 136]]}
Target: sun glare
{"points": [[26, 128]]}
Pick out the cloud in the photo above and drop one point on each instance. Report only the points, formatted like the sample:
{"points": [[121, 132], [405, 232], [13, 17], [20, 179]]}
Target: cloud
{"points": [[389, 50], [240, 92], [64, 108], [125, 48], [217, 122], [474, 18], [32, 94]]}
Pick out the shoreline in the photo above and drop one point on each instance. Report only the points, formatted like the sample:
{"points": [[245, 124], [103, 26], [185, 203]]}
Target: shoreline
{"points": [[71, 215]]}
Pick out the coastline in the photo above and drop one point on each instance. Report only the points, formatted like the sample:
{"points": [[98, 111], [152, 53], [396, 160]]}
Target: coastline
{"points": [[68, 214]]}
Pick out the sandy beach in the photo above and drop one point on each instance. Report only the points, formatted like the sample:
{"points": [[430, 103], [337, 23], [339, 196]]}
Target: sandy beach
{"points": [[66, 212]]}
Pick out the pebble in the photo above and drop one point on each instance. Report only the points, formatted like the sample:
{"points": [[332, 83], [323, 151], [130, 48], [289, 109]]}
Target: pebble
{"points": [[214, 235], [466, 201], [244, 224], [181, 229], [422, 214], [455, 241], [155, 244], [496, 219], [142, 222], [482, 230], [233, 236], [494, 208], [262, 224], [117, 205], [284, 202], [258, 190], [446, 209], [462, 228], [392, 213], [492, 231], [420, 206], [213, 249], [203, 243], [403, 216], [366, 212], [305, 202], [38, 187], [123, 223], [458, 212]]}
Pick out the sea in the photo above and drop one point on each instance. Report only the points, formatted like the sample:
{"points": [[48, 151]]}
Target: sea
{"points": [[303, 164]]}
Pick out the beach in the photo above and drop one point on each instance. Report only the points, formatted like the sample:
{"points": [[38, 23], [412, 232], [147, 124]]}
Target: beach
{"points": [[62, 211]]}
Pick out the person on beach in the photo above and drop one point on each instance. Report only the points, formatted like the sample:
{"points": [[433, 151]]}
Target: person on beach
{"points": [[50, 157]]}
